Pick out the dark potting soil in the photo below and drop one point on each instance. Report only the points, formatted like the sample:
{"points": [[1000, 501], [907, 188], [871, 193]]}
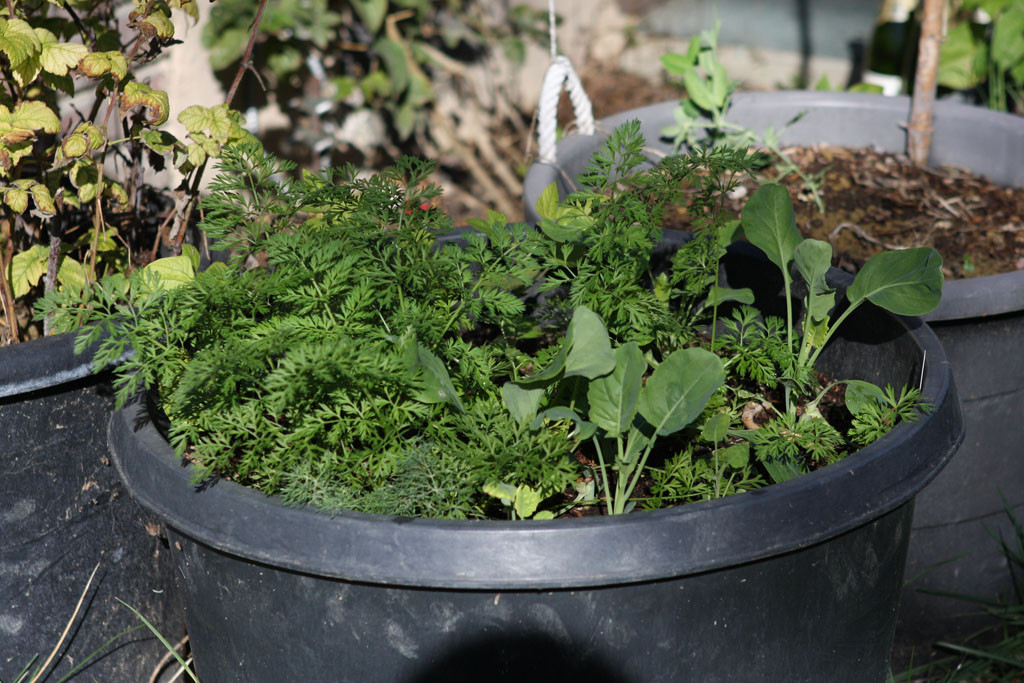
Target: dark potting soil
{"points": [[875, 202]]}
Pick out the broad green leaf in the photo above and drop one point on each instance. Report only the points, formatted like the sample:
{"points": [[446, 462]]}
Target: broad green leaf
{"points": [[591, 354], [698, 90], [521, 403], [770, 225], [372, 13], [613, 397], [720, 84], [437, 385], [676, 63], [813, 259], [526, 501], [1008, 38], [720, 295], [737, 455], [861, 394], [782, 471], [905, 282], [172, 271], [582, 429], [567, 229], [716, 428], [962, 58], [137, 94], [636, 442], [27, 267], [506, 493], [586, 350], [547, 203], [679, 388], [393, 56]]}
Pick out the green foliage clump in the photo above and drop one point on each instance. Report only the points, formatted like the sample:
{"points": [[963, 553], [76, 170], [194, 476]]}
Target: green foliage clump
{"points": [[358, 352]]}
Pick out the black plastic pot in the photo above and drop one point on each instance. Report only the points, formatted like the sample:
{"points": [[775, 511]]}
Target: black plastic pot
{"points": [[980, 322], [63, 510], [796, 582]]}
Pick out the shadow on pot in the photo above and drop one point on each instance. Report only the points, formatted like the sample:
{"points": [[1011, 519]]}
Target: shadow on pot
{"points": [[522, 658]]}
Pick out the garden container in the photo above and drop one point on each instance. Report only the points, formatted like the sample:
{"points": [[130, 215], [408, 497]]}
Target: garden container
{"points": [[63, 510], [980, 322], [796, 582]]}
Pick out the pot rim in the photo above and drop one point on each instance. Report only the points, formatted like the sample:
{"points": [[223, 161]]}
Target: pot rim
{"points": [[41, 364], [963, 298]]}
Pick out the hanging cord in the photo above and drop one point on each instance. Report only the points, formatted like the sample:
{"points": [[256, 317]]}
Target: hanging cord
{"points": [[560, 73]]}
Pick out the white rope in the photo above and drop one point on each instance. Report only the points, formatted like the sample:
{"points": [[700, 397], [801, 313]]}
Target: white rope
{"points": [[560, 74]]}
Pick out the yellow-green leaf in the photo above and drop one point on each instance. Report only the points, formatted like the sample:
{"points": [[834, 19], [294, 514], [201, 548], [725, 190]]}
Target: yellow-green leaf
{"points": [[27, 268], [84, 176], [57, 58], [98, 64], [26, 70], [187, 6], [137, 94], [160, 141], [16, 199], [74, 146], [196, 118], [71, 274], [196, 155], [18, 41], [44, 200], [161, 23], [33, 115], [116, 191], [172, 271]]}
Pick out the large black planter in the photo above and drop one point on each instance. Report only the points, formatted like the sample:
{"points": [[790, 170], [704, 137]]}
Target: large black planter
{"points": [[980, 323], [797, 582], [62, 511]]}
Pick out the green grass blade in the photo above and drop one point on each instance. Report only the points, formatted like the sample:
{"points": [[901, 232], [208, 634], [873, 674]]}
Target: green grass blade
{"points": [[166, 644]]}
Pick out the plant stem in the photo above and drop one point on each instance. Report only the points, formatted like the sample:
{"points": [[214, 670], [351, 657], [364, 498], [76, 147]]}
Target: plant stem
{"points": [[919, 131], [5, 291], [604, 475], [182, 218]]}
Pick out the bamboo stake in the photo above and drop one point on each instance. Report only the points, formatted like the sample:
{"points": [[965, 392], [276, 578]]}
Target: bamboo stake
{"points": [[919, 132]]}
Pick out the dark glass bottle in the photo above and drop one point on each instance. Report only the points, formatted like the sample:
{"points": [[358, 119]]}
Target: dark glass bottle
{"points": [[891, 53]]}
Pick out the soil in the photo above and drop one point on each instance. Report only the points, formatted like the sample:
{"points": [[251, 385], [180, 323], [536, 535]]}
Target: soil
{"points": [[874, 202]]}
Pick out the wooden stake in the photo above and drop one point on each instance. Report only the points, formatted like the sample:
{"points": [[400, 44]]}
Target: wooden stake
{"points": [[919, 132]]}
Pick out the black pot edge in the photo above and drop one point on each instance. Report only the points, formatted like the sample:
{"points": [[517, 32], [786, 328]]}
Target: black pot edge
{"points": [[41, 364], [532, 554], [962, 299]]}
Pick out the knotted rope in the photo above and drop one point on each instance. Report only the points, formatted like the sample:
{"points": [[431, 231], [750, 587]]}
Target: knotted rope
{"points": [[560, 74]]}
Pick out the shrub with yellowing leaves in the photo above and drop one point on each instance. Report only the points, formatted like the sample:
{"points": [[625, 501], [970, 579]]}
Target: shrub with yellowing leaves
{"points": [[74, 201]]}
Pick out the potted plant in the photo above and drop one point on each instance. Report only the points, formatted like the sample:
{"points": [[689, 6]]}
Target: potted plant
{"points": [[77, 204], [374, 368], [977, 321]]}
